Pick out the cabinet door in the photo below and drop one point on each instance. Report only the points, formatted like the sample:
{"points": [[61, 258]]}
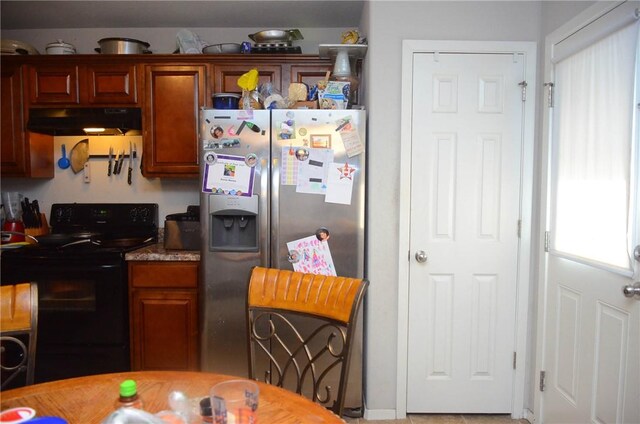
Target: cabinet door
{"points": [[309, 74], [12, 143], [112, 84], [225, 78], [54, 84], [23, 154], [164, 330], [173, 96]]}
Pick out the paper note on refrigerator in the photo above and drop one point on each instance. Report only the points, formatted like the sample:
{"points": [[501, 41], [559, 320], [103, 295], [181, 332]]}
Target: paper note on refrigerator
{"points": [[350, 136], [313, 167], [229, 175], [289, 166], [311, 256], [340, 183]]}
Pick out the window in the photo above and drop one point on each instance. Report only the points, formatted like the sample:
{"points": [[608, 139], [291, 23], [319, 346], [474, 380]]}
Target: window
{"points": [[594, 141]]}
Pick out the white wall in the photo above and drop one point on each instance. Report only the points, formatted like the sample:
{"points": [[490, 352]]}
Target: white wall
{"points": [[388, 23], [162, 40], [172, 195]]}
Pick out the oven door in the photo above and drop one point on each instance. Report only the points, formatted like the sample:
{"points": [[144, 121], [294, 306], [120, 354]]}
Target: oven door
{"points": [[83, 305], [83, 324]]}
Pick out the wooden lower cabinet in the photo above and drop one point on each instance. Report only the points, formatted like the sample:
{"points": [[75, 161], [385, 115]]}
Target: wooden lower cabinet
{"points": [[163, 303]]}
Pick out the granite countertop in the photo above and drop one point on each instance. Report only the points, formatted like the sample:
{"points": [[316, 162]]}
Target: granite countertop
{"points": [[157, 252]]}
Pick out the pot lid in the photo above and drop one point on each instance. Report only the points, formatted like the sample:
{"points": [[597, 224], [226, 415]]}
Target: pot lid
{"points": [[132, 40], [16, 47], [60, 43], [236, 95]]}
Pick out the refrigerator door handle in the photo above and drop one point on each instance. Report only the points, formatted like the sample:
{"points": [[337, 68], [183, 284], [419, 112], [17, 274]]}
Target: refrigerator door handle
{"points": [[275, 207]]}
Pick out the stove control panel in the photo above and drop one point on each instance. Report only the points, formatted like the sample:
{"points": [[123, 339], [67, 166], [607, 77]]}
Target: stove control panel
{"points": [[92, 216]]}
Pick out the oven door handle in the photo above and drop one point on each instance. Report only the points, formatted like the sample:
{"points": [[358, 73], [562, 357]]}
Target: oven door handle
{"points": [[73, 243]]}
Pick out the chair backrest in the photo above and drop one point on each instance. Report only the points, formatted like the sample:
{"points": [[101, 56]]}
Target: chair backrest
{"points": [[18, 332], [301, 329]]}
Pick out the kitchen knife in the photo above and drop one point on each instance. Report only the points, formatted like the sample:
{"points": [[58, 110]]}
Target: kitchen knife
{"points": [[121, 161], [115, 164], [26, 214], [110, 159], [36, 208], [130, 163]]}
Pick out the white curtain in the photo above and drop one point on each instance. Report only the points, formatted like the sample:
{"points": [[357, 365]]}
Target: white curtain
{"points": [[593, 135]]}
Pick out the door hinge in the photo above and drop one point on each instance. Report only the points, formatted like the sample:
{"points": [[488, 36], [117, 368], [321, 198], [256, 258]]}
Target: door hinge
{"points": [[514, 360], [549, 86], [547, 241], [543, 376], [519, 228], [523, 87]]}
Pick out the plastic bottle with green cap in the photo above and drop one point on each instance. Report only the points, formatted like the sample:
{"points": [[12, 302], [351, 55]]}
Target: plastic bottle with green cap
{"points": [[129, 395]]}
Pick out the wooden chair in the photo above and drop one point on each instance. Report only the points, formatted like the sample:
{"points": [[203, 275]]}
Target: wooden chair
{"points": [[301, 329], [18, 332]]}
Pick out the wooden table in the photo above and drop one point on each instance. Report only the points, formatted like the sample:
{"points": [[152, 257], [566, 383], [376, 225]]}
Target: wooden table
{"points": [[88, 400]]}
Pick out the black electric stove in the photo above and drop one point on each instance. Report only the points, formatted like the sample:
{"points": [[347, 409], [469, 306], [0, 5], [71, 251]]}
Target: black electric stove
{"points": [[82, 231], [83, 323]]}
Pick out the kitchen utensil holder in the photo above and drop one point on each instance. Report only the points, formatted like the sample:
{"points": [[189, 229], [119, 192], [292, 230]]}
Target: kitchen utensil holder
{"points": [[37, 231]]}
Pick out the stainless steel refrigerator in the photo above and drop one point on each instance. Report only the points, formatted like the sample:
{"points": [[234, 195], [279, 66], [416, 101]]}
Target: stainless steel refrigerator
{"points": [[271, 183]]}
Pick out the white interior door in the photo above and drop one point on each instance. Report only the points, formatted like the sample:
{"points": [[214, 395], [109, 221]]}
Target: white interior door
{"points": [[466, 147], [592, 331]]}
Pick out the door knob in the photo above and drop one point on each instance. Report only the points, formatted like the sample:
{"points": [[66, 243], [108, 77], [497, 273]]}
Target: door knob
{"points": [[632, 290], [421, 256]]}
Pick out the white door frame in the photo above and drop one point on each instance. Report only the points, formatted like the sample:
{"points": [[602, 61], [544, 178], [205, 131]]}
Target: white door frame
{"points": [[409, 47]]}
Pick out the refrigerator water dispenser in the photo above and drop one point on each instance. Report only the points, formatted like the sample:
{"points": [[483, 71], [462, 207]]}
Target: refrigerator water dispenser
{"points": [[233, 223]]}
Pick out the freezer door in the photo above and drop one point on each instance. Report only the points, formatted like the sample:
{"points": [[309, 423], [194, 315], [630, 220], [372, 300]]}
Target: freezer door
{"points": [[234, 148]]}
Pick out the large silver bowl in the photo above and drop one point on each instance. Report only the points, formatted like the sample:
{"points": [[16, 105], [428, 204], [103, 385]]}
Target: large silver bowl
{"points": [[222, 48], [276, 36]]}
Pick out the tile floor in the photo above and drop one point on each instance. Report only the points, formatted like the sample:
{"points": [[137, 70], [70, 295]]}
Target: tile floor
{"points": [[444, 419]]}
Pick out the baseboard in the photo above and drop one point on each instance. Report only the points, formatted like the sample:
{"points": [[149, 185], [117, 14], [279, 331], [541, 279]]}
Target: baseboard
{"points": [[380, 414], [528, 415]]}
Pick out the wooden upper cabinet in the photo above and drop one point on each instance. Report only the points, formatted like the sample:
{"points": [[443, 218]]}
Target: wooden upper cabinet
{"points": [[12, 145], [174, 95], [54, 84], [110, 84], [309, 74], [23, 154], [225, 77]]}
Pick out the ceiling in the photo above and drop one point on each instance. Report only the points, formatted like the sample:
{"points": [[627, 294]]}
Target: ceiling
{"points": [[26, 14]]}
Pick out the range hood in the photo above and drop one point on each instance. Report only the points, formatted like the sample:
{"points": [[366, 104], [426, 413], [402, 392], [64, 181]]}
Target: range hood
{"points": [[76, 121]]}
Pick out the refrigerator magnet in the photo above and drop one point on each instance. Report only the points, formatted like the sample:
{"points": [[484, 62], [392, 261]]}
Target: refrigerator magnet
{"points": [[216, 132], [231, 130], [293, 257], [210, 158], [251, 159], [322, 234], [302, 154]]}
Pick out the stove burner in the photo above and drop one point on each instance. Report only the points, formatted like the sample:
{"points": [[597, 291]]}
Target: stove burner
{"points": [[284, 47], [274, 44]]}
